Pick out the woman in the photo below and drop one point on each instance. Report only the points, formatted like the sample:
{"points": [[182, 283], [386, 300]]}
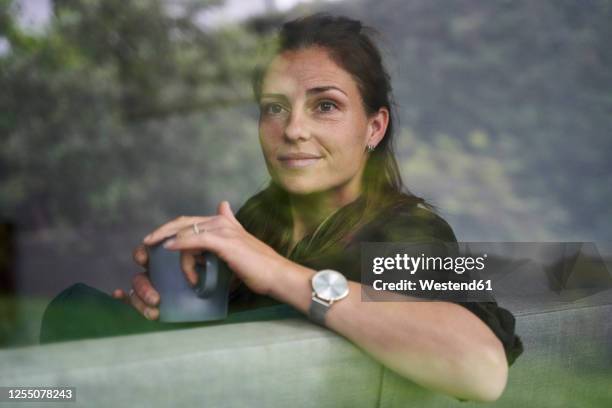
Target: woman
{"points": [[326, 129]]}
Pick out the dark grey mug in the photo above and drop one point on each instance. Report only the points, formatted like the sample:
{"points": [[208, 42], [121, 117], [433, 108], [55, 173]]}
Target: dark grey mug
{"points": [[179, 302]]}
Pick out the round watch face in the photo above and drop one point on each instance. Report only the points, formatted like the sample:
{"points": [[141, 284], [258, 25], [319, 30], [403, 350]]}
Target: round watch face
{"points": [[330, 285]]}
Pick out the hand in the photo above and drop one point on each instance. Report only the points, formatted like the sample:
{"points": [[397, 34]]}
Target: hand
{"points": [[143, 296], [253, 261]]}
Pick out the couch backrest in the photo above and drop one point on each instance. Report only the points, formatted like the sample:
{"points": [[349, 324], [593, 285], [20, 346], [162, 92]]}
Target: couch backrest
{"points": [[292, 362]]}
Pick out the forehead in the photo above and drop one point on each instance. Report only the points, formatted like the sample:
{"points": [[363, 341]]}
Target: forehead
{"points": [[296, 71]]}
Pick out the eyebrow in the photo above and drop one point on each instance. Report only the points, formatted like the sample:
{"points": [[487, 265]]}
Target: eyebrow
{"points": [[311, 91], [320, 89]]}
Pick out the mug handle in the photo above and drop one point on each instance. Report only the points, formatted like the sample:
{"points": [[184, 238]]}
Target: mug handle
{"points": [[208, 275]]}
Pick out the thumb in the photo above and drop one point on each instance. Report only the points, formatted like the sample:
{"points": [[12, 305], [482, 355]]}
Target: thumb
{"points": [[225, 209]]}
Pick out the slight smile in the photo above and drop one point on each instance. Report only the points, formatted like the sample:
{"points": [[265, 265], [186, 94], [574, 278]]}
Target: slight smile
{"points": [[298, 160]]}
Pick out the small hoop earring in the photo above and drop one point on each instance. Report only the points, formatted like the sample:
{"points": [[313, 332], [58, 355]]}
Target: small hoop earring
{"points": [[371, 148]]}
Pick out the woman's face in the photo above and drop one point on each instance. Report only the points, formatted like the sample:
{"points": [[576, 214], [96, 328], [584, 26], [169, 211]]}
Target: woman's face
{"points": [[313, 127]]}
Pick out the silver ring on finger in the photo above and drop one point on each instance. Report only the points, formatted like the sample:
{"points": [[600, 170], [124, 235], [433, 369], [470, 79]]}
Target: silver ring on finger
{"points": [[196, 229]]}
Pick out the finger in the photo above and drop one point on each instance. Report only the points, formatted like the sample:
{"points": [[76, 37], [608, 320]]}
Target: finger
{"points": [[145, 291], [188, 265], [120, 294], [171, 228], [140, 255], [225, 209], [189, 241], [204, 229], [151, 313], [222, 207]]}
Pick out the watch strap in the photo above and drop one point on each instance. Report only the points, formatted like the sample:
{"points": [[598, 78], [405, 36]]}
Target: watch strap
{"points": [[317, 311]]}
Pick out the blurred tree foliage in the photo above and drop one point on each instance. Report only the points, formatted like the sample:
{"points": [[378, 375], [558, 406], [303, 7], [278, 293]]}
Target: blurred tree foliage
{"points": [[130, 111], [122, 112], [506, 109]]}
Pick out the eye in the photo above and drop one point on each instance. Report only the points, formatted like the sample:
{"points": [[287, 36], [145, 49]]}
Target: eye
{"points": [[326, 106], [272, 108]]}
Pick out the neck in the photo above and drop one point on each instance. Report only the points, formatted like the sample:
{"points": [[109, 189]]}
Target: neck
{"points": [[310, 210]]}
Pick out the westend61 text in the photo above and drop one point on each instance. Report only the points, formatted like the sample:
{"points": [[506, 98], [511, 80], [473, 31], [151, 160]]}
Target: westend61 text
{"points": [[428, 284]]}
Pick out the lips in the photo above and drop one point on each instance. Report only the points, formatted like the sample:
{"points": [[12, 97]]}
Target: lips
{"points": [[298, 156], [296, 160]]}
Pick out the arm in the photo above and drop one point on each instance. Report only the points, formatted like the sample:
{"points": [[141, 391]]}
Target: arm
{"points": [[458, 355], [439, 345]]}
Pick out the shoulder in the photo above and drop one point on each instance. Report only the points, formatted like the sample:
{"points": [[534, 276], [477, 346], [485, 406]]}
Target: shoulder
{"points": [[408, 222]]}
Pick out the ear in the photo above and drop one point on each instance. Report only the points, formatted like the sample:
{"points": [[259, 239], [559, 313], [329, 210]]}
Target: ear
{"points": [[378, 126]]}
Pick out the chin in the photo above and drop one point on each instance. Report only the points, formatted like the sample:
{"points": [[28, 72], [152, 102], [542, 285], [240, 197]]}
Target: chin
{"points": [[301, 186]]}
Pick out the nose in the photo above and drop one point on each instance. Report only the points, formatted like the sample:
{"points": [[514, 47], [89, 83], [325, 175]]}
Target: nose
{"points": [[296, 128]]}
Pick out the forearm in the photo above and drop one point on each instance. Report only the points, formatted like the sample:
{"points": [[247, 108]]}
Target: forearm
{"points": [[439, 345]]}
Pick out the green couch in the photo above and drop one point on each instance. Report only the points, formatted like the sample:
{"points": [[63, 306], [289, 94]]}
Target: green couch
{"points": [[289, 362]]}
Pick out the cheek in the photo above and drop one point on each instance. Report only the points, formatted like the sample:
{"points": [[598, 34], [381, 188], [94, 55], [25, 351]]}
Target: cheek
{"points": [[269, 137], [272, 129], [346, 149]]}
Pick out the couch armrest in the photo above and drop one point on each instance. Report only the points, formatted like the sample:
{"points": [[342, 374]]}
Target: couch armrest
{"points": [[289, 362]]}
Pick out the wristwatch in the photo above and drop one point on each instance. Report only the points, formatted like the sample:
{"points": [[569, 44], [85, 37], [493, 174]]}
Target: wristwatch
{"points": [[328, 286]]}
